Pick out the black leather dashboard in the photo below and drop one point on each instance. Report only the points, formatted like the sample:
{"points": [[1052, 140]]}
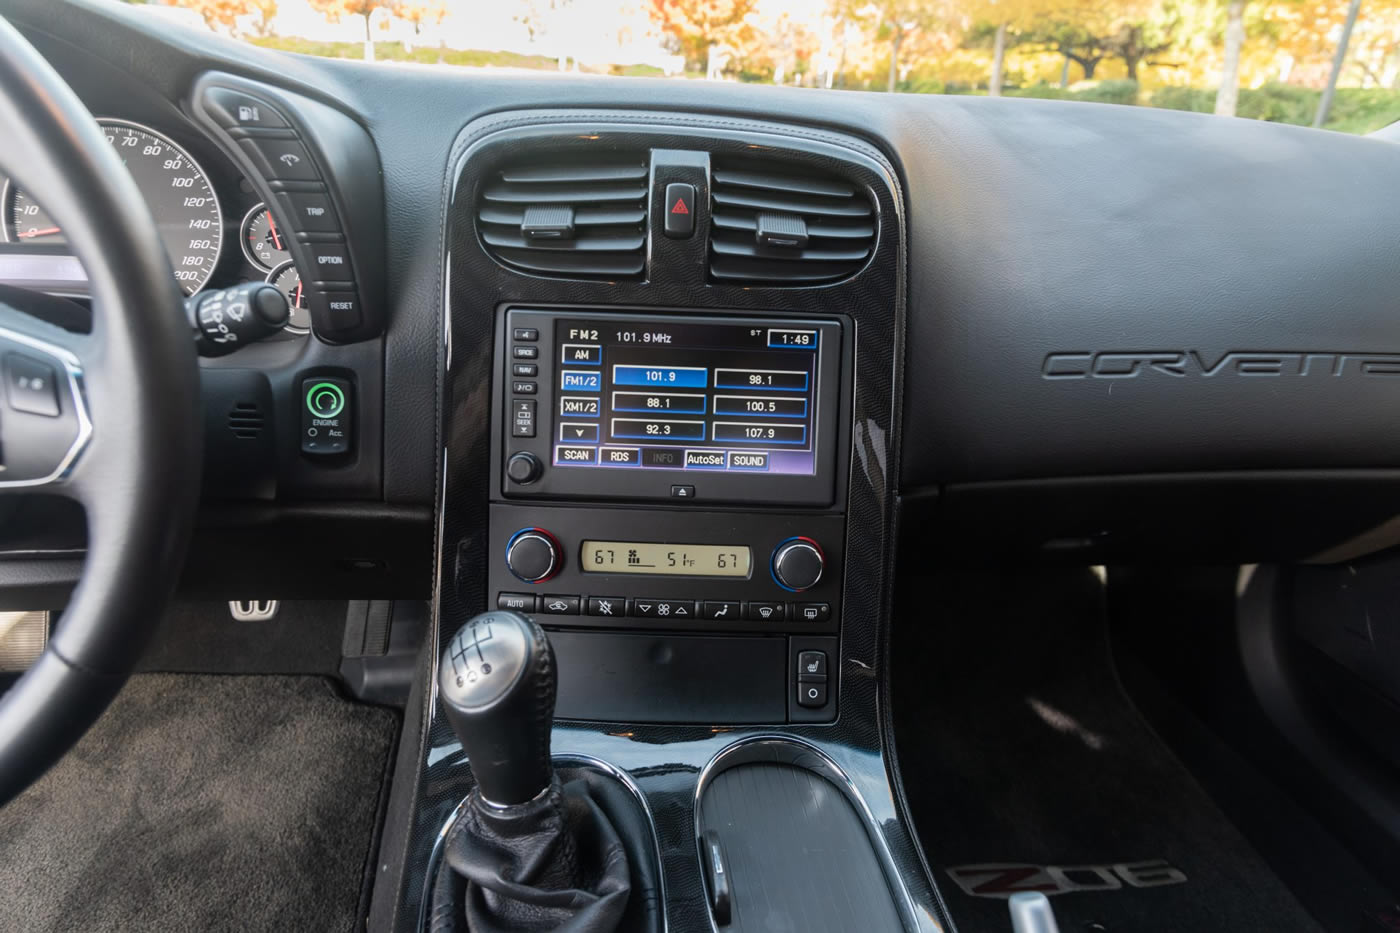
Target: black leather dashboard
{"points": [[1092, 290]]}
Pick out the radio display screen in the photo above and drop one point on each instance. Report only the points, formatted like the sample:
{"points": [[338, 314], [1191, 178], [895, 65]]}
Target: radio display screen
{"points": [[687, 395]]}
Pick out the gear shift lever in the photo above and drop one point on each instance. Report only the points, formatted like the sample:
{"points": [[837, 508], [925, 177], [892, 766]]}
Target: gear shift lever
{"points": [[497, 682], [529, 851]]}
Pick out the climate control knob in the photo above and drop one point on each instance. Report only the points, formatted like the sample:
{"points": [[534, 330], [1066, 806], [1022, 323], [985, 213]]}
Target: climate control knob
{"points": [[798, 564], [532, 554]]}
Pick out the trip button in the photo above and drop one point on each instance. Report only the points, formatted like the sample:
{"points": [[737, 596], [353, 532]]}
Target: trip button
{"points": [[31, 386], [309, 211], [559, 605], [765, 612], [280, 159]]}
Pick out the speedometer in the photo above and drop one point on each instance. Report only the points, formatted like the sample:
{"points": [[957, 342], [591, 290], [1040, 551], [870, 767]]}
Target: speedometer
{"points": [[176, 191]]}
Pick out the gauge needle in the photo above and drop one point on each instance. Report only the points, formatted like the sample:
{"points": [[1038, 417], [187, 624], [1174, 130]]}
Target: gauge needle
{"points": [[297, 300], [44, 232], [272, 228]]}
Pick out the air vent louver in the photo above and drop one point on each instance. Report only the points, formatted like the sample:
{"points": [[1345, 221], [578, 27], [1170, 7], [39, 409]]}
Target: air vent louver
{"points": [[569, 217], [780, 224], [245, 420]]}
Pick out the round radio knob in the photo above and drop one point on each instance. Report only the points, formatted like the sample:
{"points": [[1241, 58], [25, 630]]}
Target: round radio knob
{"points": [[524, 468], [532, 554], [798, 564]]}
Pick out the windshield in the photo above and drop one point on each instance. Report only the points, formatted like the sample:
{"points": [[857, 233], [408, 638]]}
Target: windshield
{"points": [[1328, 63]]}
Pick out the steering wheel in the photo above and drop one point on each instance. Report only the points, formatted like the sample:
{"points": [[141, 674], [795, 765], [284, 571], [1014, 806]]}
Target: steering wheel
{"points": [[110, 419]]}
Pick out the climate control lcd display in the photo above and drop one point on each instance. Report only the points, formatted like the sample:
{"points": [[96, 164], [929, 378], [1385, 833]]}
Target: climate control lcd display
{"points": [[689, 560]]}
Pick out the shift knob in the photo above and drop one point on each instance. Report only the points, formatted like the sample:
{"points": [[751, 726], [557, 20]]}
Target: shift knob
{"points": [[497, 682]]}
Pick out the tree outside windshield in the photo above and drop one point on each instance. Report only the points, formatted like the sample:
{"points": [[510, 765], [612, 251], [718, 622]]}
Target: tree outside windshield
{"points": [[1328, 63]]}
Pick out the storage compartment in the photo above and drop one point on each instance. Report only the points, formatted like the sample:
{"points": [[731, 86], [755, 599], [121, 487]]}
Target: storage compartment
{"points": [[786, 844]]}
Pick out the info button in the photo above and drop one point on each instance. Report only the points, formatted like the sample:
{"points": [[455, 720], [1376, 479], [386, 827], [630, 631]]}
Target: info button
{"points": [[664, 457]]}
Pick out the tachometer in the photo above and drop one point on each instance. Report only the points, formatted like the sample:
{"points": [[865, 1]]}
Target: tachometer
{"points": [[176, 190]]}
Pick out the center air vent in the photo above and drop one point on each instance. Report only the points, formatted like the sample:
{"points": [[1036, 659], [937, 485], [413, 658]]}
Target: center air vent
{"points": [[569, 216], [781, 224]]}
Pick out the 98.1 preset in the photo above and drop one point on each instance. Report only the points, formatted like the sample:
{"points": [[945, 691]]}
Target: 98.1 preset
{"points": [[691, 560]]}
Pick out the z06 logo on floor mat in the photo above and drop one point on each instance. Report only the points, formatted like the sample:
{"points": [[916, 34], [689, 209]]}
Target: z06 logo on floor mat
{"points": [[1003, 879]]}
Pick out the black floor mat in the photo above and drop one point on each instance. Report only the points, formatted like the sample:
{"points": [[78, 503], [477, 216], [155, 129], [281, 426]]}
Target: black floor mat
{"points": [[202, 803], [1018, 749]]}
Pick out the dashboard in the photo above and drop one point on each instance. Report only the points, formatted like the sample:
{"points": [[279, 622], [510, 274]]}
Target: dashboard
{"points": [[695, 373]]}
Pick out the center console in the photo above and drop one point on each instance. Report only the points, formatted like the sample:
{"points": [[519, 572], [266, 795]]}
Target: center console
{"points": [[677, 472], [672, 353]]}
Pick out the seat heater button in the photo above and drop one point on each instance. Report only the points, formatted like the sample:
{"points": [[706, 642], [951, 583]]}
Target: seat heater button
{"points": [[811, 666]]}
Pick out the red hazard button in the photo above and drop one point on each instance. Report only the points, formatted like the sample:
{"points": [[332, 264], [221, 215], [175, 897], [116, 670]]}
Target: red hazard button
{"points": [[680, 210]]}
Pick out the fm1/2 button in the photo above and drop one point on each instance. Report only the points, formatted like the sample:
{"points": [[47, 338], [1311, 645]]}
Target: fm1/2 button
{"points": [[327, 416]]}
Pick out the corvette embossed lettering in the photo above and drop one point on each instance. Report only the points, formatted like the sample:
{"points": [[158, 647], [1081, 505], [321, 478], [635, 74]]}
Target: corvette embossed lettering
{"points": [[1180, 364], [1003, 879]]}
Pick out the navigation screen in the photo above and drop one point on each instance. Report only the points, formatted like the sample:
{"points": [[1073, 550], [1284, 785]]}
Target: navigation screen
{"points": [[686, 396]]}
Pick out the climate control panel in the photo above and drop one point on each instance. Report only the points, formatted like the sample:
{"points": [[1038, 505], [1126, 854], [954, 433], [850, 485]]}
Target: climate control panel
{"points": [[670, 569]]}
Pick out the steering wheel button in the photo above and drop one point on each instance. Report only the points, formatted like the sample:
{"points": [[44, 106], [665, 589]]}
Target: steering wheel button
{"points": [[234, 110], [31, 386], [280, 159], [309, 211]]}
